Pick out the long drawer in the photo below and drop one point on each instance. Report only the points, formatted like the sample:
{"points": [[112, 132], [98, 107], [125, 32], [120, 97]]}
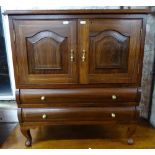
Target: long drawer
{"points": [[79, 95], [78, 114]]}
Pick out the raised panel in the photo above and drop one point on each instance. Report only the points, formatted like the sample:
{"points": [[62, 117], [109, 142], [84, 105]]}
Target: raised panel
{"points": [[46, 52], [108, 52]]}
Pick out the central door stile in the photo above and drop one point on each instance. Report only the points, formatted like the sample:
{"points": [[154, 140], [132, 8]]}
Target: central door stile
{"points": [[83, 42]]}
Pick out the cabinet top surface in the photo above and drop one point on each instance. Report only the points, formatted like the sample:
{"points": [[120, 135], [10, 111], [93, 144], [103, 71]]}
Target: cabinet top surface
{"points": [[78, 11]]}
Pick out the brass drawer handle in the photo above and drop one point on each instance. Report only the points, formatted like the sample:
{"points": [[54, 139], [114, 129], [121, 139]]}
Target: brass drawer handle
{"points": [[42, 98], [113, 115], [114, 97], [72, 55], [83, 55], [44, 116]]}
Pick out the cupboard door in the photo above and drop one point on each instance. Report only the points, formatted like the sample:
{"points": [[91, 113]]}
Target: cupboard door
{"points": [[46, 51], [109, 50]]}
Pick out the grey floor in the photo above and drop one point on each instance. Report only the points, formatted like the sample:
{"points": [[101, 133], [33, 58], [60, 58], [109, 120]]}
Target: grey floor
{"points": [[5, 88], [8, 112], [5, 130]]}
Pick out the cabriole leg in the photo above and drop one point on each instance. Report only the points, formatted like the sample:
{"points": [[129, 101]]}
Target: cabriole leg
{"points": [[27, 134], [130, 132]]}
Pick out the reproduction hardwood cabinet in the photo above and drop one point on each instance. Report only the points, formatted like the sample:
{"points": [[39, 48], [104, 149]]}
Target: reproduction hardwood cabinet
{"points": [[77, 66]]}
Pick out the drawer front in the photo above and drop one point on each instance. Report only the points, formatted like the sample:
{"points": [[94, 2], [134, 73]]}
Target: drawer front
{"points": [[89, 95], [78, 114]]}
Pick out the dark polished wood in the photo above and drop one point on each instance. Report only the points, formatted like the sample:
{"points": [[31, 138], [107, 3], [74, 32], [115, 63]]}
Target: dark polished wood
{"points": [[62, 115], [112, 57], [33, 81], [27, 134], [115, 53], [44, 49], [77, 66], [79, 11], [49, 61], [79, 95]]}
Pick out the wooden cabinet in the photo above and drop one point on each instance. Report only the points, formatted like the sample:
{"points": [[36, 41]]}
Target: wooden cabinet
{"points": [[77, 66]]}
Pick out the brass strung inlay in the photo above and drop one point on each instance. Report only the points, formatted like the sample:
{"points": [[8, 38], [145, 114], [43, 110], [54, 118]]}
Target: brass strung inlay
{"points": [[113, 115], [114, 97], [44, 116], [83, 55], [42, 98], [72, 55]]}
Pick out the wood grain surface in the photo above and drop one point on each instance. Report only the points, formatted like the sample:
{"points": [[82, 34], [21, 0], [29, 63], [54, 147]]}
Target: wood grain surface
{"points": [[91, 61], [83, 137]]}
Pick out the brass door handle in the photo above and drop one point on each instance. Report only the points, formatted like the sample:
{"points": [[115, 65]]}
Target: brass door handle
{"points": [[72, 55], [83, 55]]}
